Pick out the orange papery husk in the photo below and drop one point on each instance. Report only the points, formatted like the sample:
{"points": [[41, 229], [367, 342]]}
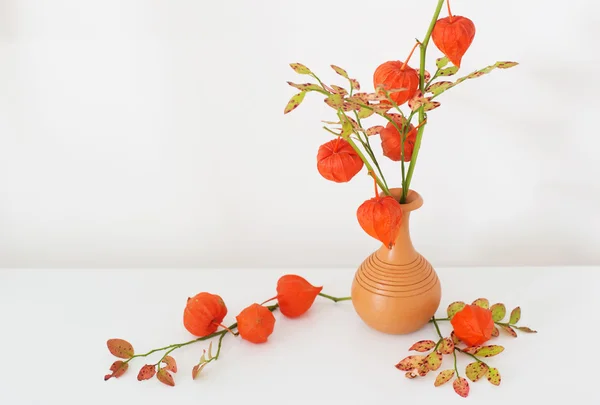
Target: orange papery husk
{"points": [[295, 295], [381, 218], [255, 323], [338, 161], [453, 36], [473, 325], [395, 75], [391, 141], [203, 313]]}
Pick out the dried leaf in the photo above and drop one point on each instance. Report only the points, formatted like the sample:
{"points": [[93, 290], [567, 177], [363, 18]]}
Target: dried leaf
{"points": [[439, 87], [526, 329], [471, 349], [340, 71], [410, 362], [365, 112], [374, 130], [461, 387], [449, 71], [515, 315], [498, 312], [339, 90], [454, 308], [509, 330], [476, 370], [146, 372], [120, 348], [210, 356], [381, 108], [294, 102], [505, 65], [170, 364], [493, 376], [410, 374], [355, 84], [482, 303], [495, 332], [360, 98], [489, 351], [197, 369], [443, 377], [455, 338], [434, 360], [441, 62], [423, 345], [118, 368], [305, 86], [447, 346], [165, 377], [300, 68]]}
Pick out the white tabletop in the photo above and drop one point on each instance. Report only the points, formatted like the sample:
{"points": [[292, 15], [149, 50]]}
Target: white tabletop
{"points": [[55, 323]]}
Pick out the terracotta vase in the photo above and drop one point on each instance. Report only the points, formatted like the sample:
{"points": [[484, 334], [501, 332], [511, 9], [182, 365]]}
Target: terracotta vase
{"points": [[396, 290]]}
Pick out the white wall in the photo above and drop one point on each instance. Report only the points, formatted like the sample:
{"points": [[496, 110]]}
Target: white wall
{"points": [[150, 133]]}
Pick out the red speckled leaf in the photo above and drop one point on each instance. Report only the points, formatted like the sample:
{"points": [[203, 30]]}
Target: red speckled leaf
{"points": [[449, 71], [482, 303], [410, 362], [526, 329], [197, 369], [423, 368], [410, 374], [495, 332], [340, 71], [294, 102], [454, 308], [489, 351], [118, 368], [493, 376], [476, 370], [120, 348], [381, 108], [498, 312], [439, 87], [374, 130], [305, 86], [455, 339], [471, 350], [447, 346], [505, 65], [509, 330], [515, 315], [441, 62], [359, 97], [434, 360], [423, 345], [146, 372], [443, 377], [339, 90], [165, 377], [300, 68], [335, 101], [170, 364], [461, 386], [355, 84]]}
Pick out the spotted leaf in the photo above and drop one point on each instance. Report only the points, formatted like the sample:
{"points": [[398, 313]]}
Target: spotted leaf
{"points": [[489, 351], [410, 374], [423, 368], [365, 112], [493, 376], [294, 102], [118, 368], [447, 346], [305, 86], [498, 312], [423, 345], [434, 360], [339, 90], [455, 338], [461, 387], [410, 363], [476, 370], [439, 87], [170, 364], [355, 84], [197, 369], [449, 71], [471, 349], [509, 330], [120, 348], [505, 65], [146, 372], [454, 308], [165, 377], [340, 71], [526, 329], [443, 377], [374, 130], [335, 101], [495, 332], [515, 315], [300, 68], [441, 62], [482, 303]]}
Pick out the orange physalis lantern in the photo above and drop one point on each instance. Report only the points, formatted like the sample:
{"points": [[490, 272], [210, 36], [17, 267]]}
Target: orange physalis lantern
{"points": [[391, 142], [453, 35], [473, 325], [338, 161], [295, 295], [203, 314], [381, 218], [394, 75], [255, 323]]}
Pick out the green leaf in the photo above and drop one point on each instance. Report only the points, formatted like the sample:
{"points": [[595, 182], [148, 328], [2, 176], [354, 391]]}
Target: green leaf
{"points": [[443, 377], [346, 129], [489, 351], [493, 376], [447, 346], [355, 84], [365, 112], [294, 102], [120, 348], [340, 71], [305, 86], [482, 303], [505, 65], [434, 360], [339, 90], [498, 312], [335, 101], [410, 362], [423, 345], [454, 308], [300, 68], [439, 87], [526, 329], [449, 71], [441, 62], [476, 370], [509, 330], [515, 315], [461, 387]]}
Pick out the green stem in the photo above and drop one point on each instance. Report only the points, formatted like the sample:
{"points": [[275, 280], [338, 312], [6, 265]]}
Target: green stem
{"points": [[335, 299], [439, 319], [367, 145], [437, 328], [422, 116], [472, 355], [455, 367]]}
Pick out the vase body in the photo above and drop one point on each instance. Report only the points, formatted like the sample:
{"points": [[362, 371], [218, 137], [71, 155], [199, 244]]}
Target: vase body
{"points": [[397, 290]]}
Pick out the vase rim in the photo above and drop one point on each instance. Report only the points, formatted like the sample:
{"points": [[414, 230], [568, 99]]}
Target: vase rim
{"points": [[413, 202]]}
